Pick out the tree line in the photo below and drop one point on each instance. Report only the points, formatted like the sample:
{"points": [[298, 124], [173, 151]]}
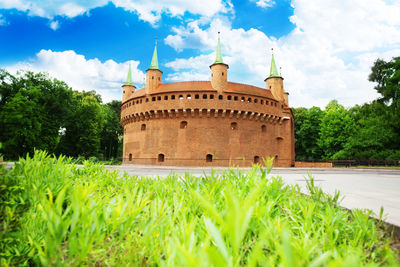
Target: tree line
{"points": [[38, 112], [367, 132]]}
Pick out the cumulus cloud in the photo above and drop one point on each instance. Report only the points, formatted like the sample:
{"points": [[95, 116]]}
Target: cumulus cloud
{"points": [[264, 3], [54, 25], [149, 11], [327, 56], [3, 21], [83, 74]]}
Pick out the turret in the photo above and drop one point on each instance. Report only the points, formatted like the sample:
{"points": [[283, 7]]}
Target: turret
{"points": [[153, 74], [274, 82], [219, 72], [128, 88]]}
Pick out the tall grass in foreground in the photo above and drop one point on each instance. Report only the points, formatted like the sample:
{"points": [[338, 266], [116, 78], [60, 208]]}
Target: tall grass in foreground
{"points": [[53, 213]]}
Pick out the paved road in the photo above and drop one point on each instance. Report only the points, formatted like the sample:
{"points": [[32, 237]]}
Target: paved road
{"points": [[361, 188]]}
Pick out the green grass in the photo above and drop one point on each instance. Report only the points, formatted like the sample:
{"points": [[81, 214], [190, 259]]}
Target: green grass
{"points": [[53, 213]]}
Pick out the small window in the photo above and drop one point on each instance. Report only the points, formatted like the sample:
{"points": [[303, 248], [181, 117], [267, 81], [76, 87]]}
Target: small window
{"points": [[124, 91], [183, 124], [188, 97], [204, 96], [159, 98], [262, 102], [160, 158], [196, 96], [137, 101], [222, 74], [220, 97], [266, 102], [180, 96], [152, 77], [153, 98], [235, 98], [209, 158], [229, 97], [172, 97], [166, 97], [143, 127], [159, 78], [263, 128], [256, 159], [147, 100], [255, 100], [130, 156], [249, 100], [234, 125], [270, 87], [140, 101], [211, 96], [242, 99]]}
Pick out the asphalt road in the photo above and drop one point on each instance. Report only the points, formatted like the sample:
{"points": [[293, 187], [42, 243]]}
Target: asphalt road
{"points": [[360, 188]]}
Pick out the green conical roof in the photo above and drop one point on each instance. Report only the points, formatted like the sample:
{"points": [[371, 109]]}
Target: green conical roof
{"points": [[274, 70], [154, 60], [129, 77], [218, 58]]}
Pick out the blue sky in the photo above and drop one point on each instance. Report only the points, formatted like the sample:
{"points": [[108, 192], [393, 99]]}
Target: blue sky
{"points": [[325, 48]]}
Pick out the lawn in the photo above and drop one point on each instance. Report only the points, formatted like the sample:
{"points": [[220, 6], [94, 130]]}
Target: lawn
{"points": [[55, 213]]}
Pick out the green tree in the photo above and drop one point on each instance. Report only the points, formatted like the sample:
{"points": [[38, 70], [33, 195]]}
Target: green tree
{"points": [[111, 136], [387, 77], [336, 127], [307, 129]]}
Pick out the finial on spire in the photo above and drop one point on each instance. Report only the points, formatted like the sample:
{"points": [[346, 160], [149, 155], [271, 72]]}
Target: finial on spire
{"points": [[154, 60], [129, 77], [218, 58]]}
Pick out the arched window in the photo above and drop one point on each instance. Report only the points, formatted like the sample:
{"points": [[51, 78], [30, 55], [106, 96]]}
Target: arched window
{"points": [[158, 98], [256, 159], [196, 96], [183, 124], [209, 158], [204, 96], [140, 101], [235, 98], [249, 99], [124, 91], [147, 100], [242, 99], [222, 74], [180, 96], [263, 128], [188, 97], [211, 96], [153, 98], [152, 77], [234, 125], [172, 96], [130, 156], [166, 97], [262, 102], [160, 158], [255, 100], [220, 97], [229, 97], [159, 78], [143, 127]]}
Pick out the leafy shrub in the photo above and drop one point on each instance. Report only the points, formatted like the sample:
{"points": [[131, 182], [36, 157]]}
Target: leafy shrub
{"points": [[53, 213]]}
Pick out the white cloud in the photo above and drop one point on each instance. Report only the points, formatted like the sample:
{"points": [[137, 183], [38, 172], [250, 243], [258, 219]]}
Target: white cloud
{"points": [[83, 74], [3, 21], [327, 56], [264, 3], [54, 25], [149, 11]]}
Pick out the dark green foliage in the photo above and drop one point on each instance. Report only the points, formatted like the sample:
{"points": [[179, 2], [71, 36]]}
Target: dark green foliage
{"points": [[43, 113], [307, 128]]}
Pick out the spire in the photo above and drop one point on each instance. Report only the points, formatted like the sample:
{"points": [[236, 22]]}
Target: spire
{"points": [[154, 60], [273, 71], [218, 58], [129, 77]]}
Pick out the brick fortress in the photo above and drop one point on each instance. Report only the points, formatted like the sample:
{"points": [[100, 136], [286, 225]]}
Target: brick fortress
{"points": [[206, 123]]}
